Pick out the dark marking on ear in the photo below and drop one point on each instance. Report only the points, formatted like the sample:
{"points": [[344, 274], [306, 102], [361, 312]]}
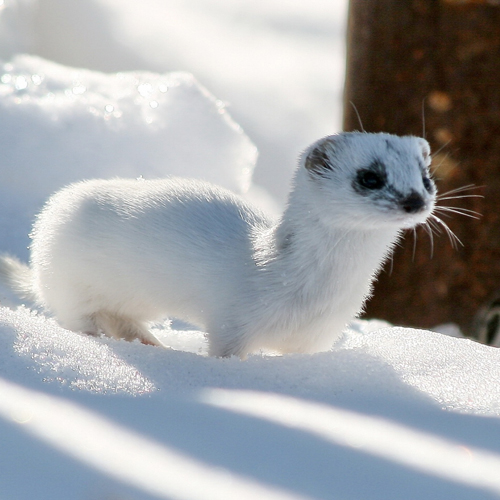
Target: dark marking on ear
{"points": [[318, 162]]}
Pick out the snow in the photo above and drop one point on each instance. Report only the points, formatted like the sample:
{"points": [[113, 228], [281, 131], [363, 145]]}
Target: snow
{"points": [[391, 413], [60, 125], [388, 413], [279, 65]]}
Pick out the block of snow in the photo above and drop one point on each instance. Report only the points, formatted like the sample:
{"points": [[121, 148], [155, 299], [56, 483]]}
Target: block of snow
{"points": [[60, 124], [280, 64], [381, 406]]}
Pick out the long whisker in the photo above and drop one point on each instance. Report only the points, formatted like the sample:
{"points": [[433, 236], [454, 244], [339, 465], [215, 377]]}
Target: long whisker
{"points": [[467, 187], [458, 210], [435, 227], [414, 244], [357, 114], [454, 239], [445, 214], [441, 198], [440, 149], [434, 168], [428, 229]]}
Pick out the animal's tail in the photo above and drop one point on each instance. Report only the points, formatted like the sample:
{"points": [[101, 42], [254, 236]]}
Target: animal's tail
{"points": [[17, 276]]}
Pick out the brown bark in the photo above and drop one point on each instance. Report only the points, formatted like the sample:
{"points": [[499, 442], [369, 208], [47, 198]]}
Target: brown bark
{"points": [[445, 54]]}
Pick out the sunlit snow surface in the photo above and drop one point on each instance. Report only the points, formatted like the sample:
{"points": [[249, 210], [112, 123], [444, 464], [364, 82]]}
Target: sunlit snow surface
{"points": [[75, 361], [120, 418], [458, 374]]}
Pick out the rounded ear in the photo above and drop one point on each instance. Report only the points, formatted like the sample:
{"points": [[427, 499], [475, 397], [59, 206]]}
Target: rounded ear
{"points": [[320, 156], [426, 150]]}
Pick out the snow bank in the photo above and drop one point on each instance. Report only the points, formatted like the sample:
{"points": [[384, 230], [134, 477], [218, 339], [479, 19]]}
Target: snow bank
{"points": [[376, 418], [280, 65], [458, 374], [60, 124]]}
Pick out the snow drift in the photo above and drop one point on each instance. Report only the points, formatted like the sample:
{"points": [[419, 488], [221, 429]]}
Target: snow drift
{"points": [[59, 125]]}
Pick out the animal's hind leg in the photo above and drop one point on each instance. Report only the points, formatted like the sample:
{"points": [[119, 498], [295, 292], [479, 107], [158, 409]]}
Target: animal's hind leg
{"points": [[122, 327]]}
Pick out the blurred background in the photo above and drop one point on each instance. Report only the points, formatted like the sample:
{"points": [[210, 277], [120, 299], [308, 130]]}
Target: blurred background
{"points": [[278, 65], [432, 68]]}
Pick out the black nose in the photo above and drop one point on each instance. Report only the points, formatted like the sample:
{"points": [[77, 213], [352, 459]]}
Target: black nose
{"points": [[413, 203]]}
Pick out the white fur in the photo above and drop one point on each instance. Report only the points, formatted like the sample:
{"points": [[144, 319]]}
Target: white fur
{"points": [[112, 255]]}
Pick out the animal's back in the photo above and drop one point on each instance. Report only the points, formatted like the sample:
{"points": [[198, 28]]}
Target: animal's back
{"points": [[143, 248]]}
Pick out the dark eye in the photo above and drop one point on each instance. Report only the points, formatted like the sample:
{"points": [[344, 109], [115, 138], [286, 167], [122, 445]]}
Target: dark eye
{"points": [[427, 184], [369, 179]]}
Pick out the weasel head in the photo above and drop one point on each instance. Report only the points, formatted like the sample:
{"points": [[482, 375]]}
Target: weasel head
{"points": [[370, 181]]}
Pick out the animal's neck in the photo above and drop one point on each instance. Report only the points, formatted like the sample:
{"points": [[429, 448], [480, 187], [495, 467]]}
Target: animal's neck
{"points": [[314, 259], [312, 275]]}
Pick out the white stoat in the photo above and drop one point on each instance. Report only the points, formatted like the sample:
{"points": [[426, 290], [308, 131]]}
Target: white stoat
{"points": [[111, 255]]}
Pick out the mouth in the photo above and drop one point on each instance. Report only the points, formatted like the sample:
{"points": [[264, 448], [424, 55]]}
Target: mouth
{"points": [[405, 220], [415, 219]]}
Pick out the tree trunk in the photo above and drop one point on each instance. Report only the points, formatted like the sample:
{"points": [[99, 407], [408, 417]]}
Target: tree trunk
{"points": [[441, 57]]}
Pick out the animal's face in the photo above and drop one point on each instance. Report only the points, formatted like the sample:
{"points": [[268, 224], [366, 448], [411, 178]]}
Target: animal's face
{"points": [[372, 180]]}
